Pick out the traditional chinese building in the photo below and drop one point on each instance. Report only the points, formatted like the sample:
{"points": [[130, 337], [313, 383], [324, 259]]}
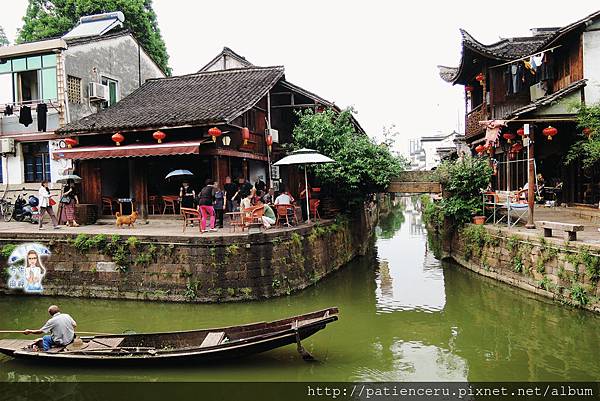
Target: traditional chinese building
{"points": [[216, 123], [533, 80]]}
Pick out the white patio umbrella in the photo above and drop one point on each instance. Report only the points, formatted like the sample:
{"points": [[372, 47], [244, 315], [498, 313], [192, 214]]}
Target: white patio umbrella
{"points": [[304, 156]]}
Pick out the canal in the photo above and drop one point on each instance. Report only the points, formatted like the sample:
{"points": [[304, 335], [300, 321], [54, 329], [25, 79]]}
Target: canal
{"points": [[405, 316]]}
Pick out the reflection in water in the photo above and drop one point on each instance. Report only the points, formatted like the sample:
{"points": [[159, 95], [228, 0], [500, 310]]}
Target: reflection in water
{"points": [[409, 277], [404, 316]]}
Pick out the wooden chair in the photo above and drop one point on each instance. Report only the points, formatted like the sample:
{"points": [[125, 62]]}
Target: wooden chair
{"points": [[236, 220], [107, 204], [314, 208], [169, 202], [154, 203], [190, 216], [283, 216], [257, 214]]}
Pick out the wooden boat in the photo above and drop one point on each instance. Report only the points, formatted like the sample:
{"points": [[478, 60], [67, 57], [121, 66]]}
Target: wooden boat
{"points": [[195, 345]]}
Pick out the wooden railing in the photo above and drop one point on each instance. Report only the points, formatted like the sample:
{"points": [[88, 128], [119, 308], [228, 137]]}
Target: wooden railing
{"points": [[472, 126]]}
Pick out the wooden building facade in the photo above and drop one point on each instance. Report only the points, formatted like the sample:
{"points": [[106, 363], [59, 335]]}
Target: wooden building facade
{"points": [[533, 80]]}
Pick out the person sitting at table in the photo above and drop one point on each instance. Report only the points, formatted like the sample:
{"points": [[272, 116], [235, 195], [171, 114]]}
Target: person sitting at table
{"points": [[246, 202], [284, 198], [268, 217], [269, 197]]}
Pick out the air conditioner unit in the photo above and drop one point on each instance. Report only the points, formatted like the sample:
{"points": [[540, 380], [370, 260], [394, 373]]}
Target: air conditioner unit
{"points": [[274, 133], [537, 91], [97, 91], [7, 145]]}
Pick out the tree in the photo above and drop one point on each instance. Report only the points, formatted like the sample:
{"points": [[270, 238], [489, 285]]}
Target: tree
{"points": [[362, 167], [3, 39], [51, 18], [587, 148]]}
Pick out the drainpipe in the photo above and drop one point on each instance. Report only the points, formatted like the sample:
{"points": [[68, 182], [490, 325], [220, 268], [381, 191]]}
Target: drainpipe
{"points": [[531, 176]]}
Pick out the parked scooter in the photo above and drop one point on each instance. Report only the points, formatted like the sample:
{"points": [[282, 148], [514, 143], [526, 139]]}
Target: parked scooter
{"points": [[26, 210]]}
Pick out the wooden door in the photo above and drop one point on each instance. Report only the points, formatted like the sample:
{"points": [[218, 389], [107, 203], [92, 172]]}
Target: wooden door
{"points": [[91, 182]]}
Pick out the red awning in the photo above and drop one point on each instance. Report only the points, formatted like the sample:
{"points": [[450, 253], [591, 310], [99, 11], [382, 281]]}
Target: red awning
{"points": [[135, 150]]}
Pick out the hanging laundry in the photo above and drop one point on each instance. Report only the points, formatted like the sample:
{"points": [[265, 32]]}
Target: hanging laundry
{"points": [[514, 77], [8, 110], [42, 111], [520, 75], [508, 82], [547, 68], [25, 116], [492, 130]]}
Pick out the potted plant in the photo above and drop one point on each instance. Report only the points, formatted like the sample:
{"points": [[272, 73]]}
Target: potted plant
{"points": [[478, 219]]}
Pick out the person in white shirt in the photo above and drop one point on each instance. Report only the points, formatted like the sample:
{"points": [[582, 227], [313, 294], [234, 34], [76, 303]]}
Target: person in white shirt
{"points": [[61, 327], [45, 207]]}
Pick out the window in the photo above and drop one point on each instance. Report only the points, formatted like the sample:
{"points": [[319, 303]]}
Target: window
{"points": [[29, 78], [74, 89], [112, 91], [37, 161], [249, 120]]}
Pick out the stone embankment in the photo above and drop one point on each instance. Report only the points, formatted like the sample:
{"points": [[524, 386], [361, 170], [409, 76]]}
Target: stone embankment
{"points": [[552, 267], [196, 269]]}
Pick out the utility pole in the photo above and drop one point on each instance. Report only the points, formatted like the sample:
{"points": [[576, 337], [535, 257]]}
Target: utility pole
{"points": [[531, 176]]}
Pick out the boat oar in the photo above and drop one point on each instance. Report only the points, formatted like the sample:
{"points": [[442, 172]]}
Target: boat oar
{"points": [[78, 332]]}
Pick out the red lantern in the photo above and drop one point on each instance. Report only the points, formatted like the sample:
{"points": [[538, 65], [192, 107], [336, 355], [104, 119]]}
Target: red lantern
{"points": [[70, 142], [118, 138], [517, 147], [469, 88], [549, 132], [159, 136], [509, 136], [479, 149], [587, 131], [480, 78], [521, 131], [269, 140], [245, 135], [214, 132]]}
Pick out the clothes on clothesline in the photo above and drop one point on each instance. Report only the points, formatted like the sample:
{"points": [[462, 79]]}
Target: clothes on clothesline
{"points": [[25, 116], [520, 75], [8, 110], [42, 111]]}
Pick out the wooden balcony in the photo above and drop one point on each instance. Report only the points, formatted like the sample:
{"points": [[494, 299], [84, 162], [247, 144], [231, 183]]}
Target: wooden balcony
{"points": [[472, 126]]}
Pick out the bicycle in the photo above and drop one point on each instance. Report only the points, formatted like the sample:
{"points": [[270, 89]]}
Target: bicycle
{"points": [[6, 209]]}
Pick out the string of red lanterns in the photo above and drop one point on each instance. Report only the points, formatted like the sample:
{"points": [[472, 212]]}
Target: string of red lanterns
{"points": [[159, 136], [549, 132], [245, 135], [214, 132], [70, 142], [269, 140], [118, 138]]}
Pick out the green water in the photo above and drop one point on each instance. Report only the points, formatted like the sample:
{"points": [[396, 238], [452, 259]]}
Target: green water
{"points": [[405, 316]]}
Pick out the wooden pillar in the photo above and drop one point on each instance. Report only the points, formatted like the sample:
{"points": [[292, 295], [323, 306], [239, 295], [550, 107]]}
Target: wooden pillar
{"points": [[91, 182], [530, 177], [139, 184]]}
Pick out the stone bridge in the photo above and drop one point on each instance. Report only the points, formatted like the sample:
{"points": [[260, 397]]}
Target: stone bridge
{"points": [[415, 182]]}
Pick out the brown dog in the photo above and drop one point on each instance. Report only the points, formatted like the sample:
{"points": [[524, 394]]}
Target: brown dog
{"points": [[129, 220]]}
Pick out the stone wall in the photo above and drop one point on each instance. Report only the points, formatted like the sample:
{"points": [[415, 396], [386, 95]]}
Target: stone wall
{"points": [[565, 271], [197, 269]]}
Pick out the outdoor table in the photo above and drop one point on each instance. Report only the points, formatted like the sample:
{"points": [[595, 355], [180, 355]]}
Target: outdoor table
{"points": [[120, 201], [236, 219]]}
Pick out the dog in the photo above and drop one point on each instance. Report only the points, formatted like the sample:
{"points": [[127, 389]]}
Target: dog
{"points": [[129, 220]]}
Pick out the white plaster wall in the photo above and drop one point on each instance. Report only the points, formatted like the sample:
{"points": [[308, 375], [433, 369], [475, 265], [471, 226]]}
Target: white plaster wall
{"points": [[432, 159], [591, 66]]}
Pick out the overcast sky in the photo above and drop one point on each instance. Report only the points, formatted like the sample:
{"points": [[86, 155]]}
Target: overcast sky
{"points": [[378, 56]]}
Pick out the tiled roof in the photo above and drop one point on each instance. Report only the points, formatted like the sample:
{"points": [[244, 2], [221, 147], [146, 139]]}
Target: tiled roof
{"points": [[195, 99], [505, 49], [548, 99], [229, 53], [448, 74]]}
